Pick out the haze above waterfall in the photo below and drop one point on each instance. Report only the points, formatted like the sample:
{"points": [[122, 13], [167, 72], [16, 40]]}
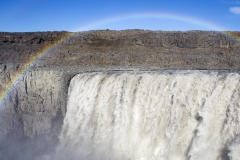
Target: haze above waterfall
{"points": [[152, 115]]}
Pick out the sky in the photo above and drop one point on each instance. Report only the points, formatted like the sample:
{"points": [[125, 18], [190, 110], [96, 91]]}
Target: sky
{"points": [[84, 15]]}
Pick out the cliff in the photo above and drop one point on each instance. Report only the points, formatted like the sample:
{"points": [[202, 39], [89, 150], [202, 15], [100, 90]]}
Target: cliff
{"points": [[36, 69], [176, 50]]}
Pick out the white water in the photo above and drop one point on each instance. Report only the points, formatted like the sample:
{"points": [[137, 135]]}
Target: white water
{"points": [[152, 116]]}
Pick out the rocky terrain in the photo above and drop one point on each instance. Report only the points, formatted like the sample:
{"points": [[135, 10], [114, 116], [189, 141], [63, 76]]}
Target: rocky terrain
{"points": [[36, 68]]}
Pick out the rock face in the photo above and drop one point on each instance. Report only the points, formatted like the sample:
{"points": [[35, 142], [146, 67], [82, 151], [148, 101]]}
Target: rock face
{"points": [[36, 68], [183, 50]]}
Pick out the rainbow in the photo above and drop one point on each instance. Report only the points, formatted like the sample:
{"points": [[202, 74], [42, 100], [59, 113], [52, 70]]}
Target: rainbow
{"points": [[30, 63], [33, 60], [155, 15]]}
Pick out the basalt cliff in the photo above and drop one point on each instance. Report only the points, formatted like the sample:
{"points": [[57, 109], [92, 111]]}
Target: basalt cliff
{"points": [[36, 69]]}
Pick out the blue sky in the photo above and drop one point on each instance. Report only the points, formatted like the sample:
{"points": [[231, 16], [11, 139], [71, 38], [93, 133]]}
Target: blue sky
{"points": [[79, 15]]}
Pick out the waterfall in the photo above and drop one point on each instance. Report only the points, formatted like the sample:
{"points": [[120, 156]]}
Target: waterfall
{"points": [[152, 116]]}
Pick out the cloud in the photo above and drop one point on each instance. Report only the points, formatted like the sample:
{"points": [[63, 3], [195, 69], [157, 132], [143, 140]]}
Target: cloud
{"points": [[235, 10]]}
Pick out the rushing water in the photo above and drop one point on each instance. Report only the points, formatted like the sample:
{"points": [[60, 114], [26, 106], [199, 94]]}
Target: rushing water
{"points": [[152, 116]]}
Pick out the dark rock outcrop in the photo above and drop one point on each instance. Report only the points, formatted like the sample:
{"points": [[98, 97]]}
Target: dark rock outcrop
{"points": [[176, 50]]}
